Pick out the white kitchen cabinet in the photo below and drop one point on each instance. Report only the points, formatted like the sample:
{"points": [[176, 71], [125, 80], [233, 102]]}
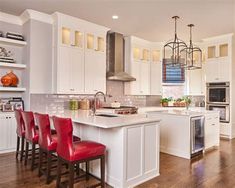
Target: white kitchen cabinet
{"points": [[70, 70], [218, 58], [217, 71], [212, 130], [137, 59], [8, 132], [195, 82], [80, 56], [141, 71], [95, 72], [156, 71]]}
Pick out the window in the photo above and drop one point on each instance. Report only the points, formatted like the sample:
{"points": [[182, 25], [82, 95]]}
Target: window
{"points": [[172, 74]]}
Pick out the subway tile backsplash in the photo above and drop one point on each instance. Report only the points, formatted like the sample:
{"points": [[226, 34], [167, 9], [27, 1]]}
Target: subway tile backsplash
{"points": [[57, 103]]}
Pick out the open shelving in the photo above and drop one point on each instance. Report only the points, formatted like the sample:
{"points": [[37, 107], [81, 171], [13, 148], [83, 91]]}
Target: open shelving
{"points": [[13, 89], [12, 65], [12, 42]]}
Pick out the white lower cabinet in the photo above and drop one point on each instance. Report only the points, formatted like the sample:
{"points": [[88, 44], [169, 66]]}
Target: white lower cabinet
{"points": [[7, 133], [95, 72], [212, 130]]}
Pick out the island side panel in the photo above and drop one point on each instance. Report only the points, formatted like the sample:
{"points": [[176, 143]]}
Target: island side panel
{"points": [[113, 140], [141, 157], [174, 134]]}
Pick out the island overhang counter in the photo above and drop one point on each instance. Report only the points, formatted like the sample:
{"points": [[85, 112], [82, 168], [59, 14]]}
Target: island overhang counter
{"points": [[132, 143]]}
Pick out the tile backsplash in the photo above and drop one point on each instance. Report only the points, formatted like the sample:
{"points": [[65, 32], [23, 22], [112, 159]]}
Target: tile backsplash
{"points": [[57, 103], [53, 102]]}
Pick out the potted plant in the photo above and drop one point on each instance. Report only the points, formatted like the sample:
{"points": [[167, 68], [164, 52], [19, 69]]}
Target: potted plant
{"points": [[187, 101], [164, 102]]}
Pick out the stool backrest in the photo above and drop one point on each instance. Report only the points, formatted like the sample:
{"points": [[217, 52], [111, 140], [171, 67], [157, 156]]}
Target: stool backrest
{"points": [[20, 129], [44, 128], [64, 131], [29, 123]]}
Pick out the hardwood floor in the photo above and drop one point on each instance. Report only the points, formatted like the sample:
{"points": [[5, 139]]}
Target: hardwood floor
{"points": [[216, 169]]}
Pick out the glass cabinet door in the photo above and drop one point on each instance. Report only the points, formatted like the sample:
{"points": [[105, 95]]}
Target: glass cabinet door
{"points": [[146, 55], [136, 53], [100, 44], [90, 41], [156, 56], [78, 39], [66, 36]]}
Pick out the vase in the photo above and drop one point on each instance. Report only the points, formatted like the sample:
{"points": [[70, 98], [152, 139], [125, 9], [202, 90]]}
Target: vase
{"points": [[14, 78], [6, 80]]}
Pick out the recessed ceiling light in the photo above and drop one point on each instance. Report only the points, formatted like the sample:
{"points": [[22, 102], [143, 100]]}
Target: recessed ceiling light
{"points": [[115, 17]]}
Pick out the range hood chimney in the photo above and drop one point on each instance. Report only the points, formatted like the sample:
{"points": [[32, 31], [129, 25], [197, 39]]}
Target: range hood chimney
{"points": [[115, 56]]}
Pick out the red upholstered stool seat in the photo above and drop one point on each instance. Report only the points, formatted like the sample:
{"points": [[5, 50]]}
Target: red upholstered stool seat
{"points": [[86, 149], [73, 153]]}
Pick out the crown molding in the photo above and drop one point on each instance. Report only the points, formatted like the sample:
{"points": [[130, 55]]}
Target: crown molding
{"points": [[35, 15], [9, 18]]}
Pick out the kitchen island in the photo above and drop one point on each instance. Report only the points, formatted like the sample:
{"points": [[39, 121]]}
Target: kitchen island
{"points": [[179, 134], [132, 143]]}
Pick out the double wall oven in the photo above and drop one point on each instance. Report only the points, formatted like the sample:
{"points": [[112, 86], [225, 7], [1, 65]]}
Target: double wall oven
{"points": [[217, 98]]}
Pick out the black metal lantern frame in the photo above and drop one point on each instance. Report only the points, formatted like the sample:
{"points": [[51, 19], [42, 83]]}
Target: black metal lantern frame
{"points": [[176, 47], [191, 50]]}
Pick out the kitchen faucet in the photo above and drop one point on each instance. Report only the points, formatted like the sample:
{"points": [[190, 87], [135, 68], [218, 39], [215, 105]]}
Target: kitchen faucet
{"points": [[95, 100]]}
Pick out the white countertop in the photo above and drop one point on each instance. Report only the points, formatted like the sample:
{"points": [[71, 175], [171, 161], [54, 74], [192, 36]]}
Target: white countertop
{"points": [[84, 117], [192, 111]]}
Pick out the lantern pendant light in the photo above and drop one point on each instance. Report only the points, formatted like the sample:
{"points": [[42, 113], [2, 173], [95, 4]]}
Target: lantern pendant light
{"points": [[172, 50], [193, 54]]}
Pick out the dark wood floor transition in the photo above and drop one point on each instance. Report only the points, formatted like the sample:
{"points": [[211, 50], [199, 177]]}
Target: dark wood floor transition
{"points": [[216, 170]]}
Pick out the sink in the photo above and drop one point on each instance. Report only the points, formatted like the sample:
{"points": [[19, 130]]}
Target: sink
{"points": [[106, 115]]}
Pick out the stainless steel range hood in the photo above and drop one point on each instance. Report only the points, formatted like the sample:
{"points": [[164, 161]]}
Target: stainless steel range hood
{"points": [[115, 57]]}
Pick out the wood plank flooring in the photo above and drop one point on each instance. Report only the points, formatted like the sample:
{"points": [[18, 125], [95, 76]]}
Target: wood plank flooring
{"points": [[215, 170]]}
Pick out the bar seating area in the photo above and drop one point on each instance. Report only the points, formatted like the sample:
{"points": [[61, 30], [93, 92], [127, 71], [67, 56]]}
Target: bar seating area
{"points": [[60, 147]]}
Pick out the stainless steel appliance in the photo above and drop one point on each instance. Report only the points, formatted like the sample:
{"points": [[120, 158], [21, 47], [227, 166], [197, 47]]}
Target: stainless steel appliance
{"points": [[218, 93], [197, 135], [115, 57], [123, 110], [224, 111]]}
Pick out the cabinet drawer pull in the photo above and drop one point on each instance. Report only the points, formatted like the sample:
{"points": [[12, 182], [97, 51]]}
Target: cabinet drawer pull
{"points": [[213, 124]]}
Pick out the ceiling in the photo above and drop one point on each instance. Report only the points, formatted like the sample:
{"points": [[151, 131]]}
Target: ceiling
{"points": [[148, 19]]}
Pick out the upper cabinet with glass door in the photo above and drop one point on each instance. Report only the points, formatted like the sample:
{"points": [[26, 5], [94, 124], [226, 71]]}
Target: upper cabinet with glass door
{"points": [[218, 48], [140, 53], [72, 37], [95, 42]]}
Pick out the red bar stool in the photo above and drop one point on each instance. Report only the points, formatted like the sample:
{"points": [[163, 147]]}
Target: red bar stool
{"points": [[47, 143], [20, 131], [73, 153], [31, 136]]}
